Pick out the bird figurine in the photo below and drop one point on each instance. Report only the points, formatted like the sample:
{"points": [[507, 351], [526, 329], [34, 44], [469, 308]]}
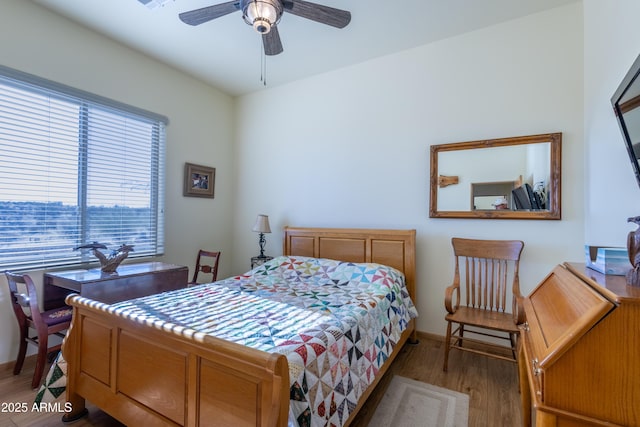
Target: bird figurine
{"points": [[633, 247], [94, 245], [108, 263]]}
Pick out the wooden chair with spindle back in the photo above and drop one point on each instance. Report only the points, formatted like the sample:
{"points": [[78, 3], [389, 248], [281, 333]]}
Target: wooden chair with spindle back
{"points": [[22, 292], [486, 271], [206, 262]]}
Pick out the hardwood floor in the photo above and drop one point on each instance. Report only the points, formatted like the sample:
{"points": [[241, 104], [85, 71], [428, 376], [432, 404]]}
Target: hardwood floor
{"points": [[492, 386]]}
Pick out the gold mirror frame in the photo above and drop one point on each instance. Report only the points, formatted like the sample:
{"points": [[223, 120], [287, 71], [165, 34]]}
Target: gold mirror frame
{"points": [[553, 192]]}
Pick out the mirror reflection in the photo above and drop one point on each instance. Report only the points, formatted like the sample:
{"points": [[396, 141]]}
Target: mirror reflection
{"points": [[502, 178]]}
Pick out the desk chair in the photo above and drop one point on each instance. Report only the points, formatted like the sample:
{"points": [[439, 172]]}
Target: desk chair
{"points": [[206, 262], [485, 270], [24, 300]]}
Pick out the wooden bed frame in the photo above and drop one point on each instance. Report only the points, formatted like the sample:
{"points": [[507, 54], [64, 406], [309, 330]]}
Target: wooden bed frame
{"points": [[157, 373]]}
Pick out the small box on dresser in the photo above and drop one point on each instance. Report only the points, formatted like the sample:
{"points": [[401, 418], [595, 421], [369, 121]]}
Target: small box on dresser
{"points": [[607, 260]]}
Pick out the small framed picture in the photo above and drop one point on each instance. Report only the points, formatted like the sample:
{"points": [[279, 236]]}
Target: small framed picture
{"points": [[199, 181]]}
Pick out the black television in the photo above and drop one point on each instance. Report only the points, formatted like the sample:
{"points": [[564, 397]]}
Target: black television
{"points": [[626, 105]]}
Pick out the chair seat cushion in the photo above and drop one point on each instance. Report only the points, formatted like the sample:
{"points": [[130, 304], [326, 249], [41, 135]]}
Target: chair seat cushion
{"points": [[487, 319], [57, 315]]}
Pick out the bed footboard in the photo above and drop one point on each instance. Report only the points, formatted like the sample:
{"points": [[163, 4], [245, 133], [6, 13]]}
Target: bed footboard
{"points": [[157, 373]]}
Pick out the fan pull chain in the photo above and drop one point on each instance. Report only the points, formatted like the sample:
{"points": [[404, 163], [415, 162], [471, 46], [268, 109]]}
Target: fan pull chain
{"points": [[263, 72], [261, 60]]}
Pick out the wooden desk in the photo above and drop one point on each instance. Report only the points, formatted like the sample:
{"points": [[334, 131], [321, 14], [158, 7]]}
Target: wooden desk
{"points": [[129, 281], [579, 352]]}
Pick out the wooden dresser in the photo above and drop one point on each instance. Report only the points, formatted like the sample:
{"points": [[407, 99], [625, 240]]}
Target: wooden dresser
{"points": [[129, 281], [579, 352]]}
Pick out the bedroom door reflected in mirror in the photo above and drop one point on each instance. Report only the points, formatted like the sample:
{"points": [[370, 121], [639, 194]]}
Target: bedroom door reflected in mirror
{"points": [[509, 178]]}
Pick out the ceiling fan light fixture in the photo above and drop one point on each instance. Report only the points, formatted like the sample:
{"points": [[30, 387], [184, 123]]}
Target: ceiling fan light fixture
{"points": [[262, 14], [261, 25]]}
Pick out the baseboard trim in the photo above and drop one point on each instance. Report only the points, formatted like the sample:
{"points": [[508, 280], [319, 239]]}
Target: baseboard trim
{"points": [[428, 335], [8, 366]]}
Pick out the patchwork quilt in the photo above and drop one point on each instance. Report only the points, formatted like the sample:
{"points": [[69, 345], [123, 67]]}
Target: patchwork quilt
{"points": [[336, 322]]}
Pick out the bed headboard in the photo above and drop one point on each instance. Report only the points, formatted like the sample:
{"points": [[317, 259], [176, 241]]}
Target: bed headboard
{"points": [[395, 248]]}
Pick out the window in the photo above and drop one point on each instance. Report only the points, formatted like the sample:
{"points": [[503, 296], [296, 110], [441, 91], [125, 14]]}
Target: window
{"points": [[75, 168]]}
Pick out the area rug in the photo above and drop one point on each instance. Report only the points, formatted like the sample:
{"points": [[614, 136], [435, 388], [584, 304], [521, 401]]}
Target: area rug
{"points": [[409, 403]]}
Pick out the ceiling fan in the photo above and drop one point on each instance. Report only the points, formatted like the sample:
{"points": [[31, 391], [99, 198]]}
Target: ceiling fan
{"points": [[264, 16]]}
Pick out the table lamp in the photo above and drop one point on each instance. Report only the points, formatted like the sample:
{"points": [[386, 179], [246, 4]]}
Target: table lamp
{"points": [[262, 226]]}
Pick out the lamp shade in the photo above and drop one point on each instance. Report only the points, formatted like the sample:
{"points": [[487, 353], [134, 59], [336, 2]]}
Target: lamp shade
{"points": [[262, 224]]}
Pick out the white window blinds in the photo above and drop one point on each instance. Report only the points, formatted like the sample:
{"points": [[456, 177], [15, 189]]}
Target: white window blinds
{"points": [[75, 168]]}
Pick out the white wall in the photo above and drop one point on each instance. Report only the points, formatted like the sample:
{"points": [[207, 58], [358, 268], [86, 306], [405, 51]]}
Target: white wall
{"points": [[612, 43], [200, 128], [350, 148]]}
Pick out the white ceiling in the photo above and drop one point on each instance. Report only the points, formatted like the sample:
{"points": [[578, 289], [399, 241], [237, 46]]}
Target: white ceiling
{"points": [[226, 52]]}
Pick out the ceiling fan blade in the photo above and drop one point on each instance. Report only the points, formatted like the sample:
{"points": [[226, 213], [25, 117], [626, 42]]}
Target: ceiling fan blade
{"points": [[205, 14], [271, 42], [319, 13]]}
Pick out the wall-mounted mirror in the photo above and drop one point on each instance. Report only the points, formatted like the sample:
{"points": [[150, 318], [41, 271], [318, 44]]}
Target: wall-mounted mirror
{"points": [[506, 178]]}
